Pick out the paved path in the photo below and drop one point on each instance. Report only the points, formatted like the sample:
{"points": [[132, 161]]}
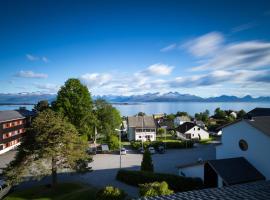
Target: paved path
{"points": [[105, 166]]}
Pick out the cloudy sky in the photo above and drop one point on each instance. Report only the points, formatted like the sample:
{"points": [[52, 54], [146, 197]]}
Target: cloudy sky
{"points": [[206, 48]]}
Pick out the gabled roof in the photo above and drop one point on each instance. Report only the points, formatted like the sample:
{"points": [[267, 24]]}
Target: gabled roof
{"points": [[141, 121], [256, 190], [185, 127], [235, 170], [8, 115], [258, 112]]}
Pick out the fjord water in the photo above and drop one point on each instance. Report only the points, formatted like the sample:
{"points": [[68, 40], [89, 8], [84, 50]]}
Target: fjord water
{"points": [[171, 107]]}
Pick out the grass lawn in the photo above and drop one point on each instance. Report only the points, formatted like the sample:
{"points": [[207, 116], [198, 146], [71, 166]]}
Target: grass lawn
{"points": [[63, 191]]}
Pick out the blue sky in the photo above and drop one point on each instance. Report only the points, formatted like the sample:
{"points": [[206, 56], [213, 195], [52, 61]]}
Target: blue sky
{"points": [[206, 48]]}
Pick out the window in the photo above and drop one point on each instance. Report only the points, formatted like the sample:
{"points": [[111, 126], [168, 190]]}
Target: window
{"points": [[243, 145], [199, 128]]}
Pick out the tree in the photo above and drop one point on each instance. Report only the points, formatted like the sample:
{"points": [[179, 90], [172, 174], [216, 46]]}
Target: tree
{"points": [[147, 164], [108, 117], [51, 144], [74, 101], [141, 114], [241, 114], [202, 116], [161, 131], [154, 189], [220, 114], [179, 114], [170, 117], [113, 141], [41, 106]]}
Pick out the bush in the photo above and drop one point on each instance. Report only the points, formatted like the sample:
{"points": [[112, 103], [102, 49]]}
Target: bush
{"points": [[147, 164], [169, 144], [111, 193], [113, 142], [154, 189], [176, 183]]}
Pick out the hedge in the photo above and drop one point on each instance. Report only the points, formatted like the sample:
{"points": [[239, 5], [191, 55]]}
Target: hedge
{"points": [[169, 144], [176, 183]]}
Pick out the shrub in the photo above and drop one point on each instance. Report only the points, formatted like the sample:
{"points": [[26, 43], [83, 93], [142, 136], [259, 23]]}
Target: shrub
{"points": [[169, 144], [147, 164], [111, 193], [113, 142], [176, 183], [154, 189]]}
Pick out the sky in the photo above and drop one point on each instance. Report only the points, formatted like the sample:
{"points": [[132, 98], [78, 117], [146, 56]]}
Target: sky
{"points": [[128, 47]]}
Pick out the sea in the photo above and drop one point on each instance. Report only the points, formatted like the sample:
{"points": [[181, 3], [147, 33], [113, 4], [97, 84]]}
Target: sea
{"points": [[149, 108]]}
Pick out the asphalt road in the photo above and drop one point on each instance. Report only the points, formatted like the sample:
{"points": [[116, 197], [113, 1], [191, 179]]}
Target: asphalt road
{"points": [[105, 166]]}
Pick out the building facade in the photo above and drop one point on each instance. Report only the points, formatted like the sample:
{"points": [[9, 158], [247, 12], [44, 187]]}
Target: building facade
{"points": [[13, 124], [191, 131]]}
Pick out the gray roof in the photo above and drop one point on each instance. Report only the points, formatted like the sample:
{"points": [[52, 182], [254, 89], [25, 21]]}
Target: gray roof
{"points": [[8, 115], [142, 121], [251, 191], [235, 170], [257, 112], [260, 123]]}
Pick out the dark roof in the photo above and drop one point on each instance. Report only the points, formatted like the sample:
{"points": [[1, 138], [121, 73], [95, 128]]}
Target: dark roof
{"points": [[259, 190], [258, 112], [235, 170], [185, 127], [8, 115], [261, 123], [139, 121]]}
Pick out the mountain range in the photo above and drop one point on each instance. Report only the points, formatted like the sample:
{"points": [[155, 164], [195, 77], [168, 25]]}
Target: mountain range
{"points": [[32, 98]]}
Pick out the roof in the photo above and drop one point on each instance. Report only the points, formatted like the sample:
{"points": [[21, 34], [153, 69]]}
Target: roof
{"points": [[261, 123], [141, 121], [8, 115], [259, 190], [258, 112], [235, 170], [187, 126], [190, 165], [183, 118]]}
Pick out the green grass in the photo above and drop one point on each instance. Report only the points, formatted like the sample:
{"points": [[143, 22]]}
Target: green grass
{"points": [[168, 137], [63, 191]]}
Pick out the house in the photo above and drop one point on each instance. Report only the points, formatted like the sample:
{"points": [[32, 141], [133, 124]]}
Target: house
{"points": [[192, 131], [200, 124], [259, 190], [180, 120], [233, 114], [12, 127], [141, 128]]}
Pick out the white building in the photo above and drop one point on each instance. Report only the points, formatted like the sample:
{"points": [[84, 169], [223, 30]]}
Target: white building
{"points": [[180, 120], [141, 128], [192, 131]]}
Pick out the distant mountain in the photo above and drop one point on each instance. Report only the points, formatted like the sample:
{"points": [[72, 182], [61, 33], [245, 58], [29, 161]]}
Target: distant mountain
{"points": [[33, 98]]}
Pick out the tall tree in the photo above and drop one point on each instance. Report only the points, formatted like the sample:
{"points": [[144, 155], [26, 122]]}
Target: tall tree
{"points": [[147, 164], [51, 144], [41, 106], [107, 116], [74, 101]]}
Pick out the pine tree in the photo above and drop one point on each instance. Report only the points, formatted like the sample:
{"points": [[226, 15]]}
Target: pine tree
{"points": [[147, 164]]}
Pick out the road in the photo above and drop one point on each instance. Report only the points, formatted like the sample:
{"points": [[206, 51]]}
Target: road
{"points": [[105, 166]]}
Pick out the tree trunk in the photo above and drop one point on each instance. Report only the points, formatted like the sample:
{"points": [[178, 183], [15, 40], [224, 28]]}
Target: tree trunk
{"points": [[54, 172]]}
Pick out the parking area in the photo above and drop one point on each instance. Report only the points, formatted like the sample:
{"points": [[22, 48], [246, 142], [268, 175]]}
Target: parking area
{"points": [[105, 166]]}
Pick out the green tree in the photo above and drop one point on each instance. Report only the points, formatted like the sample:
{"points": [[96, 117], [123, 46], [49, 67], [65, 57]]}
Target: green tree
{"points": [[41, 106], [178, 114], [140, 114], [154, 189], [241, 114], [161, 131], [147, 164], [107, 116], [51, 144], [220, 114], [113, 141], [74, 101], [170, 117]]}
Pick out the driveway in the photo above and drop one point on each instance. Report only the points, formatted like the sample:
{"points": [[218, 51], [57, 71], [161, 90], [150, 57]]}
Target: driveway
{"points": [[105, 166]]}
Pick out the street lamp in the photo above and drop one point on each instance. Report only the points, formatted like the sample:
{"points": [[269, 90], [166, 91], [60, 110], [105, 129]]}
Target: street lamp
{"points": [[165, 128], [119, 130]]}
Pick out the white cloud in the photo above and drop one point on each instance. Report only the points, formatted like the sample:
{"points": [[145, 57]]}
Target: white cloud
{"points": [[36, 58], [169, 48], [30, 74], [243, 27], [47, 87], [95, 79], [243, 55], [158, 69], [205, 45]]}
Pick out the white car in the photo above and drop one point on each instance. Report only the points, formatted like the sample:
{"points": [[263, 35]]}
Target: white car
{"points": [[152, 150], [123, 151]]}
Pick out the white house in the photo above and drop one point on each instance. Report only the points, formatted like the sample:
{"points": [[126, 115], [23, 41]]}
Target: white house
{"points": [[248, 138], [180, 120], [191, 131], [141, 128]]}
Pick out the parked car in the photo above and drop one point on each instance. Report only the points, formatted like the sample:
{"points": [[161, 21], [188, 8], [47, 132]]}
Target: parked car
{"points": [[152, 150], [123, 151], [161, 149], [141, 150], [92, 151]]}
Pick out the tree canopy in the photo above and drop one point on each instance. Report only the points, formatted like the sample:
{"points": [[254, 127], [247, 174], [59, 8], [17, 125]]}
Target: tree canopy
{"points": [[74, 101], [41, 106], [51, 143]]}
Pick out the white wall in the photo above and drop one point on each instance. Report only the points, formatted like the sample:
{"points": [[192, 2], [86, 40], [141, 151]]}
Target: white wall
{"points": [[198, 131], [9, 148], [193, 171], [258, 146], [143, 136]]}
